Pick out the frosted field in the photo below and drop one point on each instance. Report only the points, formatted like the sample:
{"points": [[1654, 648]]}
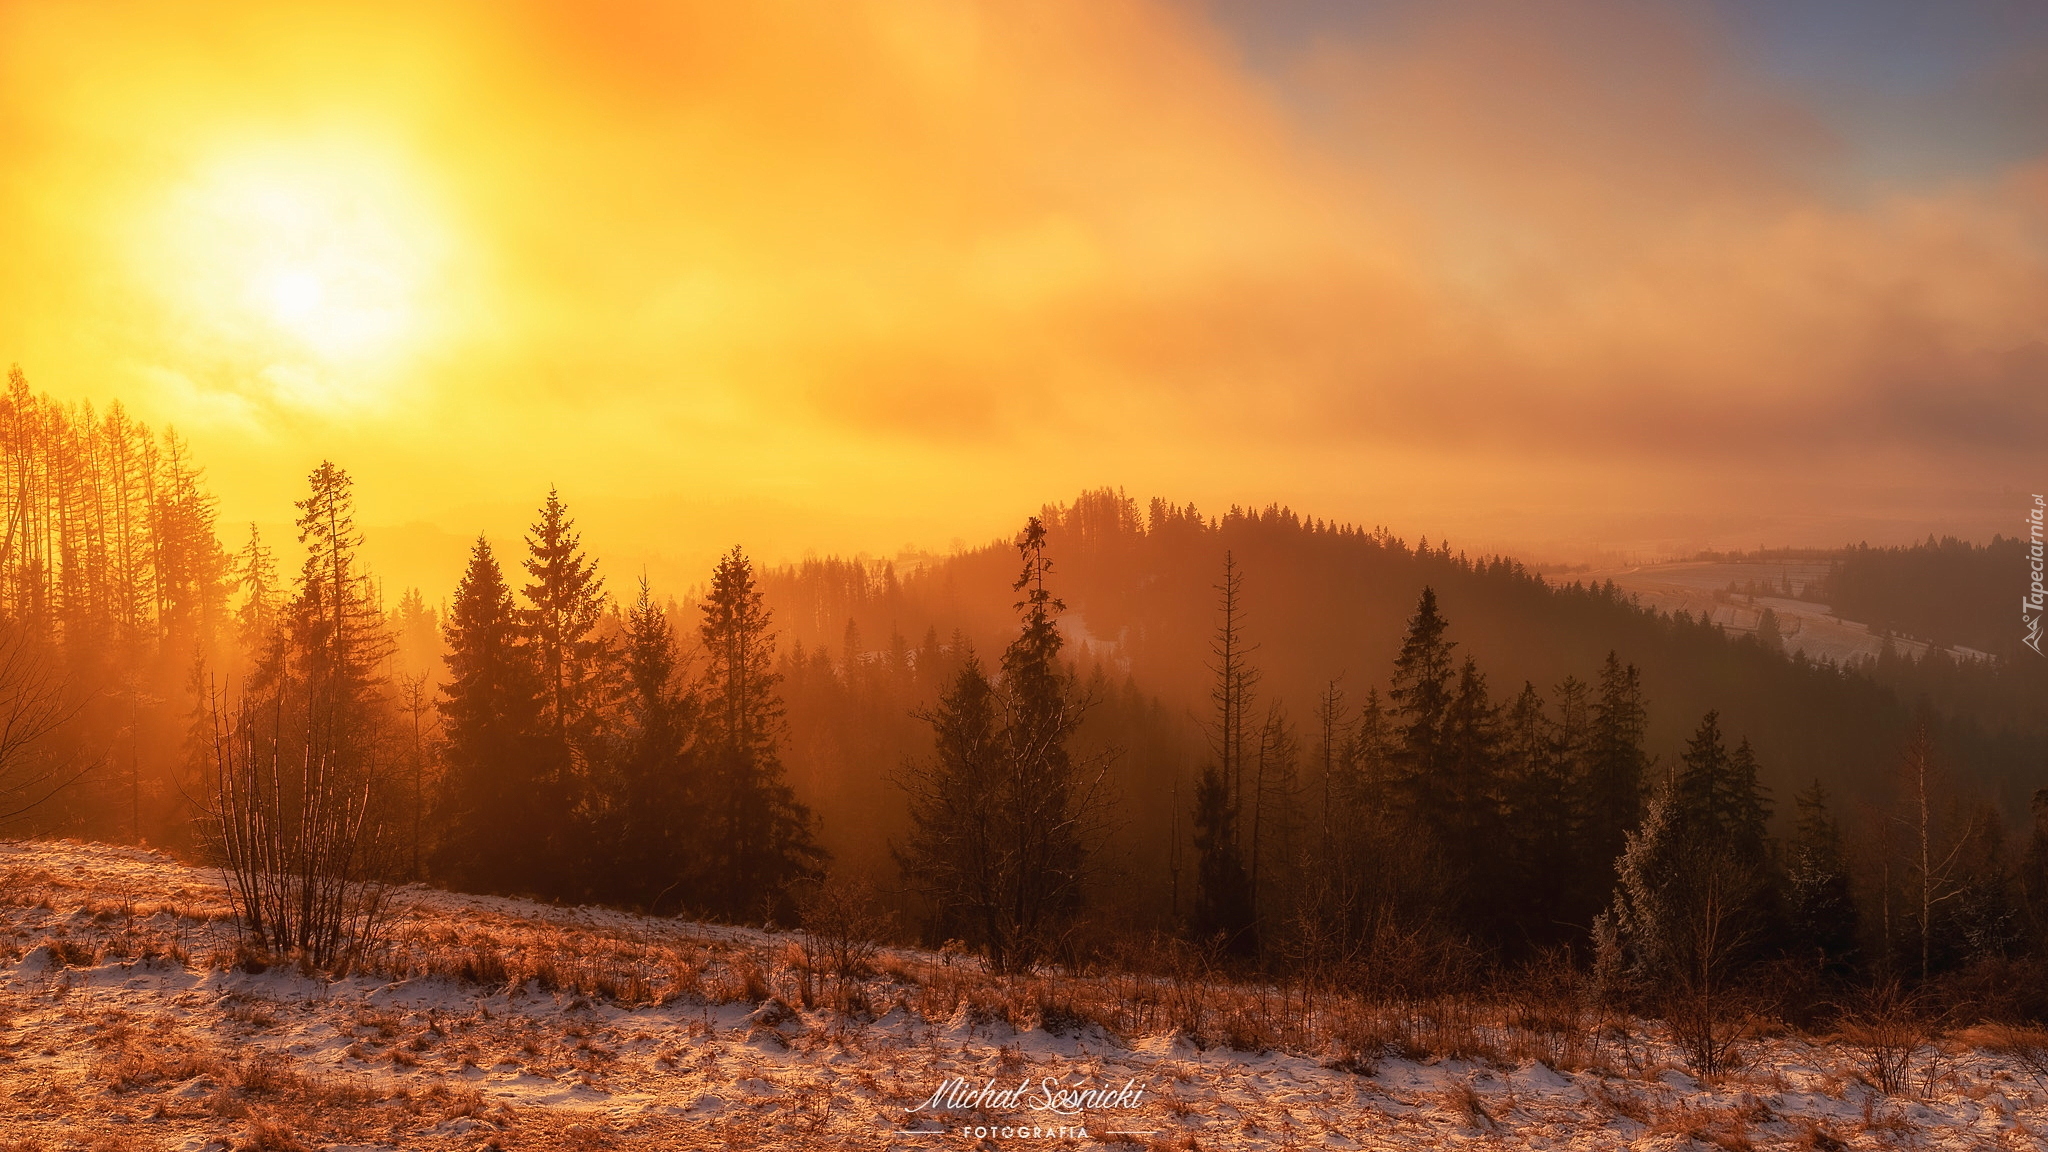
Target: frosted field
{"points": [[508, 1024]]}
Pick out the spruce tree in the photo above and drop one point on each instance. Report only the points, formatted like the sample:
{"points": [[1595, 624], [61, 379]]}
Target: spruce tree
{"points": [[565, 603], [1694, 904], [1225, 907], [498, 814], [1223, 892], [1049, 801], [337, 639], [1612, 782], [656, 818], [954, 853], [1421, 696], [759, 837], [1821, 913]]}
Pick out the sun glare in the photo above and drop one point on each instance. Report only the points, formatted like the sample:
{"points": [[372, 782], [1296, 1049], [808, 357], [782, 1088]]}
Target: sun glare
{"points": [[306, 256]]}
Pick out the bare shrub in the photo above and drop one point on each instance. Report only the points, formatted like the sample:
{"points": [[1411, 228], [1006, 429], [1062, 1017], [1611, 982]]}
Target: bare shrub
{"points": [[1548, 1007], [843, 926], [1885, 1027], [34, 703], [297, 842]]}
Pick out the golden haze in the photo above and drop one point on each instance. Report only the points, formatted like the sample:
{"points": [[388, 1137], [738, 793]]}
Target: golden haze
{"points": [[844, 276]]}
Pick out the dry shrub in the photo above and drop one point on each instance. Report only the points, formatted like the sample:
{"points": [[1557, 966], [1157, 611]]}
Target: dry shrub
{"points": [[68, 953], [1723, 1128], [485, 965], [1620, 1101], [145, 1068], [1466, 1104], [266, 1135], [254, 1013], [1884, 1026], [262, 1074], [843, 925], [2028, 1047], [1447, 1027], [1818, 1136], [1547, 1008]]}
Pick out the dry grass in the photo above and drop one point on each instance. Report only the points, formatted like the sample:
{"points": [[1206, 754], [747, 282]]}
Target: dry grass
{"points": [[403, 1080], [1465, 1102]]}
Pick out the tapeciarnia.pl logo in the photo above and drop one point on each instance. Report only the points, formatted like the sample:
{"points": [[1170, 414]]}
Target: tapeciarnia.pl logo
{"points": [[2036, 599]]}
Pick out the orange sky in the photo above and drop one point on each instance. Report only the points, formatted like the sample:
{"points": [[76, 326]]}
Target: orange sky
{"points": [[848, 276]]}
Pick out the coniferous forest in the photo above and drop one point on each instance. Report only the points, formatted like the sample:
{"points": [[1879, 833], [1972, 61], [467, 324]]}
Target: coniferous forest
{"points": [[1300, 748]]}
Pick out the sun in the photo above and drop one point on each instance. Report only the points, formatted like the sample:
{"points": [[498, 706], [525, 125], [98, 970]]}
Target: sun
{"points": [[305, 256]]}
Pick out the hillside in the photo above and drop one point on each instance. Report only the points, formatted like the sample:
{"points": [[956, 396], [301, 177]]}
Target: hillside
{"points": [[1325, 603], [128, 1020]]}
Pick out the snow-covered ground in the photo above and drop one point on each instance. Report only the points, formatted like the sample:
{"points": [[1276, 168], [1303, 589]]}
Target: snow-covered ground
{"points": [[123, 1026], [1700, 588]]}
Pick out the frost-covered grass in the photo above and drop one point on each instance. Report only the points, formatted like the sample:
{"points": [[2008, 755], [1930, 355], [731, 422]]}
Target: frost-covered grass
{"points": [[130, 1019]]}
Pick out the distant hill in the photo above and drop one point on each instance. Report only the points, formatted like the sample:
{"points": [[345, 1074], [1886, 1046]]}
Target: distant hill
{"points": [[1327, 602]]}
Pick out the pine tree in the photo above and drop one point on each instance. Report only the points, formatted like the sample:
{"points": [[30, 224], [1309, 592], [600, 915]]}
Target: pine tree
{"points": [[1612, 783], [1693, 905], [658, 806], [1539, 840], [1225, 905], [954, 854], [498, 814], [760, 838], [1821, 917], [1050, 799], [1223, 893], [1421, 697], [565, 603], [256, 621], [337, 640]]}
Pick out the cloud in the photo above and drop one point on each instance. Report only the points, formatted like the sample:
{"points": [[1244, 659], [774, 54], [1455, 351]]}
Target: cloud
{"points": [[809, 257]]}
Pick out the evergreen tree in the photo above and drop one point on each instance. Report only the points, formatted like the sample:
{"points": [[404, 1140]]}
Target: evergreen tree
{"points": [[657, 804], [1539, 845], [337, 640], [565, 603], [1421, 697], [1466, 827], [1821, 912], [759, 837], [1225, 904], [1223, 893], [1694, 902], [954, 853], [1049, 802], [1612, 783], [499, 815], [257, 621]]}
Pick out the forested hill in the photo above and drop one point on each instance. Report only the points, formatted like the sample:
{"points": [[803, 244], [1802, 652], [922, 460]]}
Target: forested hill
{"points": [[1327, 602]]}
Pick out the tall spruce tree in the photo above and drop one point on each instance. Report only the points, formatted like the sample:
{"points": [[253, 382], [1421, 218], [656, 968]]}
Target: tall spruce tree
{"points": [[338, 639], [1225, 906], [498, 814], [1420, 696], [1050, 797], [565, 603], [954, 855], [1821, 912], [758, 836], [1694, 905], [654, 805], [1613, 781]]}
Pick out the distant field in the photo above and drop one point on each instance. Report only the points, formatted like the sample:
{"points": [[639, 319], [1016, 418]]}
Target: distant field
{"points": [[128, 1021], [1700, 587]]}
